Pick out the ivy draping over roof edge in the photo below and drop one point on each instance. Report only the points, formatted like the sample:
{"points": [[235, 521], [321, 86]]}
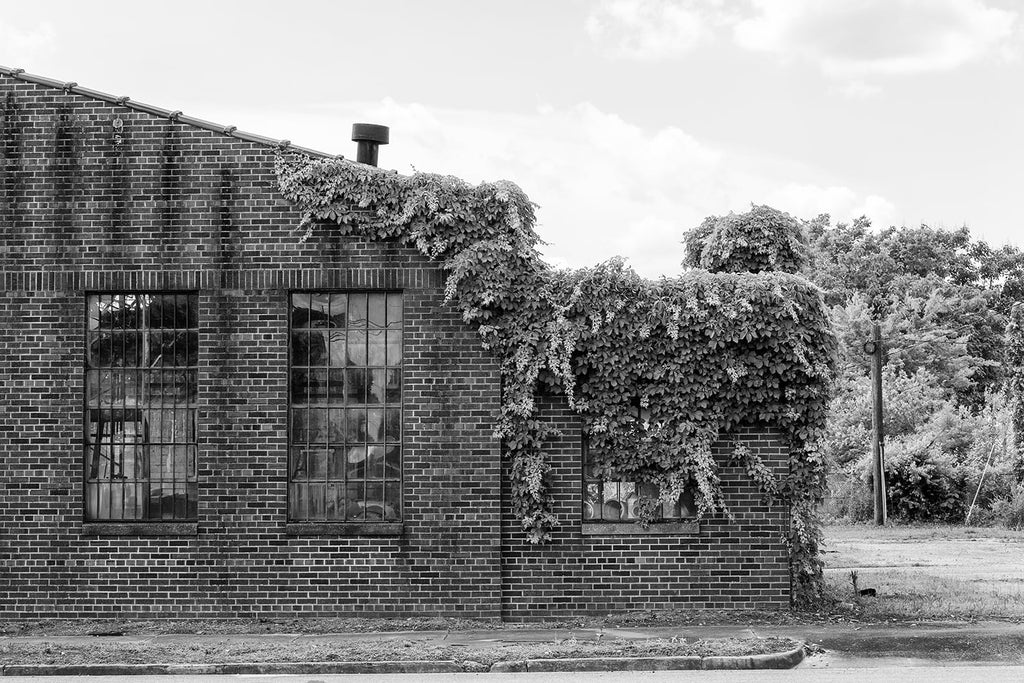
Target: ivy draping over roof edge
{"points": [[657, 369]]}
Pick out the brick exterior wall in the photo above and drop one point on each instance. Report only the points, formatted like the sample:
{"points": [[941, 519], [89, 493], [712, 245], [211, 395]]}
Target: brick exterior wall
{"points": [[173, 207], [721, 564]]}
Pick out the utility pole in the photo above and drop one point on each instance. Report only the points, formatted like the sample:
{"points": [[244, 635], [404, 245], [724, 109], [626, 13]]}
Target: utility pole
{"points": [[874, 349]]}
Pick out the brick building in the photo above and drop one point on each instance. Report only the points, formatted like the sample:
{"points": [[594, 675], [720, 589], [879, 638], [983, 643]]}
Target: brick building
{"points": [[203, 416]]}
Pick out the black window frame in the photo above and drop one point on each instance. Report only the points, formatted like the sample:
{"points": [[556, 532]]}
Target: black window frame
{"points": [[181, 512], [388, 519], [686, 503]]}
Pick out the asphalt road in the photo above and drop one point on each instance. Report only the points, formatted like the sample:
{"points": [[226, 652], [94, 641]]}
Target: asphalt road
{"points": [[885, 674]]}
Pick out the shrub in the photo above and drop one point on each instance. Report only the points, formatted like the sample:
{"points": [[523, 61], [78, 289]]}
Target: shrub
{"points": [[1009, 511]]}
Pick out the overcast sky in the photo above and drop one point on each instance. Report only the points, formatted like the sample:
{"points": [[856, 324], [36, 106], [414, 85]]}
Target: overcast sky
{"points": [[627, 121]]}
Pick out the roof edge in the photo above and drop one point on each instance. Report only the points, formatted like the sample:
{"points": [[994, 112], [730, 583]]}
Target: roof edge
{"points": [[174, 116]]}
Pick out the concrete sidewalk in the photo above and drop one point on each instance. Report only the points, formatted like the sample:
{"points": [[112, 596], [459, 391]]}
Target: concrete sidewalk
{"points": [[830, 644]]}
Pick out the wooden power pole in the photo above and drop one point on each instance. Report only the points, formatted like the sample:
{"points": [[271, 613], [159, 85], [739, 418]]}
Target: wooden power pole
{"points": [[874, 347]]}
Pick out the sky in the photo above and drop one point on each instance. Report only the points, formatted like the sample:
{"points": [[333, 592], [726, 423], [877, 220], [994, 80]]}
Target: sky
{"points": [[627, 121]]}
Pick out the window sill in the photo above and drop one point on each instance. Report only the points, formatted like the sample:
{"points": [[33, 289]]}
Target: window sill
{"points": [[140, 528], [631, 529], [343, 529]]}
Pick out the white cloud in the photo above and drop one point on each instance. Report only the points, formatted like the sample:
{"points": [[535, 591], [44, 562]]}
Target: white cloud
{"points": [[859, 38], [19, 48], [842, 203], [856, 90], [606, 187], [652, 29]]}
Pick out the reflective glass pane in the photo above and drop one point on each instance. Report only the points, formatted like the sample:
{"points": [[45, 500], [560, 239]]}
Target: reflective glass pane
{"points": [[375, 347], [612, 507], [393, 386], [298, 465], [592, 502], [355, 385], [356, 310], [297, 501], [336, 463], [628, 498], [339, 304], [392, 462], [319, 310], [392, 501], [335, 504], [355, 425], [374, 504], [192, 491], [375, 462], [355, 462], [375, 425], [356, 351], [318, 464], [336, 428], [336, 339], [394, 313], [300, 386], [92, 315], [317, 352], [687, 504], [300, 310], [354, 502], [394, 347], [376, 316], [376, 390], [317, 386], [300, 426], [300, 348], [336, 387], [393, 425], [317, 502]]}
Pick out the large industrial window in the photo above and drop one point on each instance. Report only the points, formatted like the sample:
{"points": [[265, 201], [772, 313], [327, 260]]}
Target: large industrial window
{"points": [[346, 407], [141, 358]]}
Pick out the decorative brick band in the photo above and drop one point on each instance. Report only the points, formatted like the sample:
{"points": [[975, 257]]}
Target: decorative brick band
{"points": [[249, 279]]}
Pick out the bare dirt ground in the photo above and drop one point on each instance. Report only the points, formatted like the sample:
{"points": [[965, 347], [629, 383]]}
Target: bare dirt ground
{"points": [[928, 572], [241, 649]]}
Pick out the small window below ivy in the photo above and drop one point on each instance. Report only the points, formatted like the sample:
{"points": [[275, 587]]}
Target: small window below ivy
{"points": [[620, 501]]}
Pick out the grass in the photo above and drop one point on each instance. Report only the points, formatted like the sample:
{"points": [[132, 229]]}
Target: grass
{"points": [[406, 649], [928, 572]]}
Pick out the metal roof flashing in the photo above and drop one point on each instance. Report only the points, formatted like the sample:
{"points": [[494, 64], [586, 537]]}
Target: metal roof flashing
{"points": [[72, 87]]}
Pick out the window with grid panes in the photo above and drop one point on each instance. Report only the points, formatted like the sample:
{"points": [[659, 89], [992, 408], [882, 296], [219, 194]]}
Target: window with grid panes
{"points": [[346, 407], [616, 501], [141, 360]]}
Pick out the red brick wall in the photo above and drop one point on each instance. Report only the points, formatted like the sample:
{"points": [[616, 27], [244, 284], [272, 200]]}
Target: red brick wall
{"points": [[175, 207], [740, 563]]}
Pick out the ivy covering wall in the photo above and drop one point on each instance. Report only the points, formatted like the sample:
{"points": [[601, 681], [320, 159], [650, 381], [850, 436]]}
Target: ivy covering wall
{"points": [[657, 369]]}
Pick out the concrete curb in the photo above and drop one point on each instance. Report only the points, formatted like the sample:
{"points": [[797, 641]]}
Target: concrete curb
{"points": [[780, 660]]}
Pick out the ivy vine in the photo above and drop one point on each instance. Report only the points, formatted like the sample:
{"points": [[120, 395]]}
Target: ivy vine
{"points": [[658, 370]]}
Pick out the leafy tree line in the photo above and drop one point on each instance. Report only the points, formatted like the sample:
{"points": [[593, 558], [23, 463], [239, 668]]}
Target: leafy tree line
{"points": [[949, 309]]}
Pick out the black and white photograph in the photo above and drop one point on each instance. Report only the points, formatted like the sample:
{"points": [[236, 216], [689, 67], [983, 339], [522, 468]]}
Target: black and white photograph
{"points": [[596, 340]]}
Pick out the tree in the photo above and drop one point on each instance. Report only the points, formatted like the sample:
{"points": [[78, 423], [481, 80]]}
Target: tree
{"points": [[1015, 378], [762, 239]]}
